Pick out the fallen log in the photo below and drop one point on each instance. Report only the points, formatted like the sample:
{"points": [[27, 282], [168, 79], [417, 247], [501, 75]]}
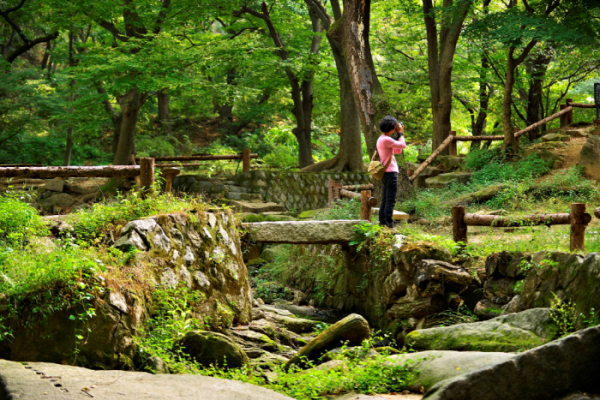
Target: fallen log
{"points": [[65, 172], [525, 220], [434, 270], [476, 197], [417, 308]]}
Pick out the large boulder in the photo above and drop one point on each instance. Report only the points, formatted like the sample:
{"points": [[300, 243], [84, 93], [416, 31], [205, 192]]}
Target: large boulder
{"points": [[589, 157], [212, 348], [555, 137], [58, 382], [547, 372], [510, 332], [430, 367], [351, 330]]}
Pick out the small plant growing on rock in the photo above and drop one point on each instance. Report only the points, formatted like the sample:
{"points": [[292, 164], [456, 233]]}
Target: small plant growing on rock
{"points": [[563, 314]]}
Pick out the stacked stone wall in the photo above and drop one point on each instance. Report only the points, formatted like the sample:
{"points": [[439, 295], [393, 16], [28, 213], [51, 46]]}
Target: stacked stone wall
{"points": [[298, 191]]}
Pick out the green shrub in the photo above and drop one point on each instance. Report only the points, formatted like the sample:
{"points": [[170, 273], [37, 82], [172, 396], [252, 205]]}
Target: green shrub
{"points": [[18, 220], [342, 209]]}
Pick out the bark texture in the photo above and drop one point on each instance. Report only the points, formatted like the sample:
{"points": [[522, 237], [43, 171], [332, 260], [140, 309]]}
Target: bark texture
{"points": [[349, 157], [441, 47]]}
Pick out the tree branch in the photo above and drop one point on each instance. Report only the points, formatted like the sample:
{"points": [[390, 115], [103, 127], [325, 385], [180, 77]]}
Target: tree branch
{"points": [[28, 45]]}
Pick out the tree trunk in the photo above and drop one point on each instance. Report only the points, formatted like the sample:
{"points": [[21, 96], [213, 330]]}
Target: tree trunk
{"points": [[130, 103], [509, 137], [537, 70], [349, 156], [164, 119], [352, 32], [440, 56]]}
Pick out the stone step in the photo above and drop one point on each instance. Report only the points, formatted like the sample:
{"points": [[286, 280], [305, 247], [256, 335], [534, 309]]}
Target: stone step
{"points": [[398, 215], [242, 196]]}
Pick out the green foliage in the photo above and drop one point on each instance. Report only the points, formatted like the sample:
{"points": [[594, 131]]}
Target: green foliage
{"points": [[342, 209], [18, 220], [497, 169], [269, 291], [462, 315], [564, 315], [101, 218]]}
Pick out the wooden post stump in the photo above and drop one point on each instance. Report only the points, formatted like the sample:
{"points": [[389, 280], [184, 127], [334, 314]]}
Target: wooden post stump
{"points": [[578, 225], [334, 192], [563, 117], [245, 160], [365, 205], [597, 212], [147, 174], [569, 115], [452, 147], [597, 123], [459, 227]]}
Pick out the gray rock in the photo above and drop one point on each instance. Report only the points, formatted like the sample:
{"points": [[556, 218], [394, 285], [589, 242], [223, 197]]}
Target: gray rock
{"points": [[156, 365], [58, 200], [433, 366], [244, 206], [212, 348], [118, 301], [55, 185], [131, 240], [555, 369], [555, 137], [509, 332], [589, 157], [304, 232], [65, 382], [268, 361]]}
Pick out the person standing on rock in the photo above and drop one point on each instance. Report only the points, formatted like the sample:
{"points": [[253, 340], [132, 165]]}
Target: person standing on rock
{"points": [[387, 147]]}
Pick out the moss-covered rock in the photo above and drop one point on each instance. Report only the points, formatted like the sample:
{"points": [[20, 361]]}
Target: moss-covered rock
{"points": [[510, 332], [212, 348]]}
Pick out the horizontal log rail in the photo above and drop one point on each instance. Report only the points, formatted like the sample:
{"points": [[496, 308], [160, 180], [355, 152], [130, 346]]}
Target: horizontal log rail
{"points": [[245, 156], [204, 157], [367, 186], [477, 138], [107, 171], [577, 218], [580, 105]]}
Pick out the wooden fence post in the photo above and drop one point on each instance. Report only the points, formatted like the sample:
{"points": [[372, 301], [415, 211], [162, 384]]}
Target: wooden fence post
{"points": [[334, 192], [365, 206], [563, 118], [146, 174], [577, 226], [452, 147], [245, 160], [569, 115], [597, 212], [459, 227]]}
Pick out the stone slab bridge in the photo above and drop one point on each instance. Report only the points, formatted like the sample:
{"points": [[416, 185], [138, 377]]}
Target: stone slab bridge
{"points": [[304, 232]]}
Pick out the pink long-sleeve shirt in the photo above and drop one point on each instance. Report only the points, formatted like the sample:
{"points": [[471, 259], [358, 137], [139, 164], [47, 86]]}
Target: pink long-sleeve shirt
{"points": [[387, 147]]}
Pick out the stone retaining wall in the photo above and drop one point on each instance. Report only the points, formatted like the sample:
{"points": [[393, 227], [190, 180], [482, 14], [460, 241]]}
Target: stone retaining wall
{"points": [[298, 191]]}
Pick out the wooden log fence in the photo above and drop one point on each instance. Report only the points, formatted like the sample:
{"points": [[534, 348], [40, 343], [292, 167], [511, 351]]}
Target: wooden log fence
{"points": [[245, 156], [336, 191], [566, 115], [577, 218]]}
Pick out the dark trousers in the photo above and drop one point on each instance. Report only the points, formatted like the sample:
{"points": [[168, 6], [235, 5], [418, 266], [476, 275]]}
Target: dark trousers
{"points": [[388, 199]]}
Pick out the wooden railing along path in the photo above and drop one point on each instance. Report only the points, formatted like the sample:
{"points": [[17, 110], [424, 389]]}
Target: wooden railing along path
{"points": [[336, 191]]}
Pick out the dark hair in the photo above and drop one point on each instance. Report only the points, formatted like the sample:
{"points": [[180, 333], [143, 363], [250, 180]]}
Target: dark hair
{"points": [[388, 123]]}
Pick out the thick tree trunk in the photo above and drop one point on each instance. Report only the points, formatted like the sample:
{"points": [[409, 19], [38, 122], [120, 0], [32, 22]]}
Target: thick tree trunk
{"points": [[349, 156], [509, 137], [164, 118], [130, 103], [537, 69], [352, 32], [440, 56]]}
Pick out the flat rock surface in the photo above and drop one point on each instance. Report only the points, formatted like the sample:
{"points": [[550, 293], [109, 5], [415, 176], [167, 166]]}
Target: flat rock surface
{"points": [[431, 367], [354, 396], [54, 381], [304, 232]]}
